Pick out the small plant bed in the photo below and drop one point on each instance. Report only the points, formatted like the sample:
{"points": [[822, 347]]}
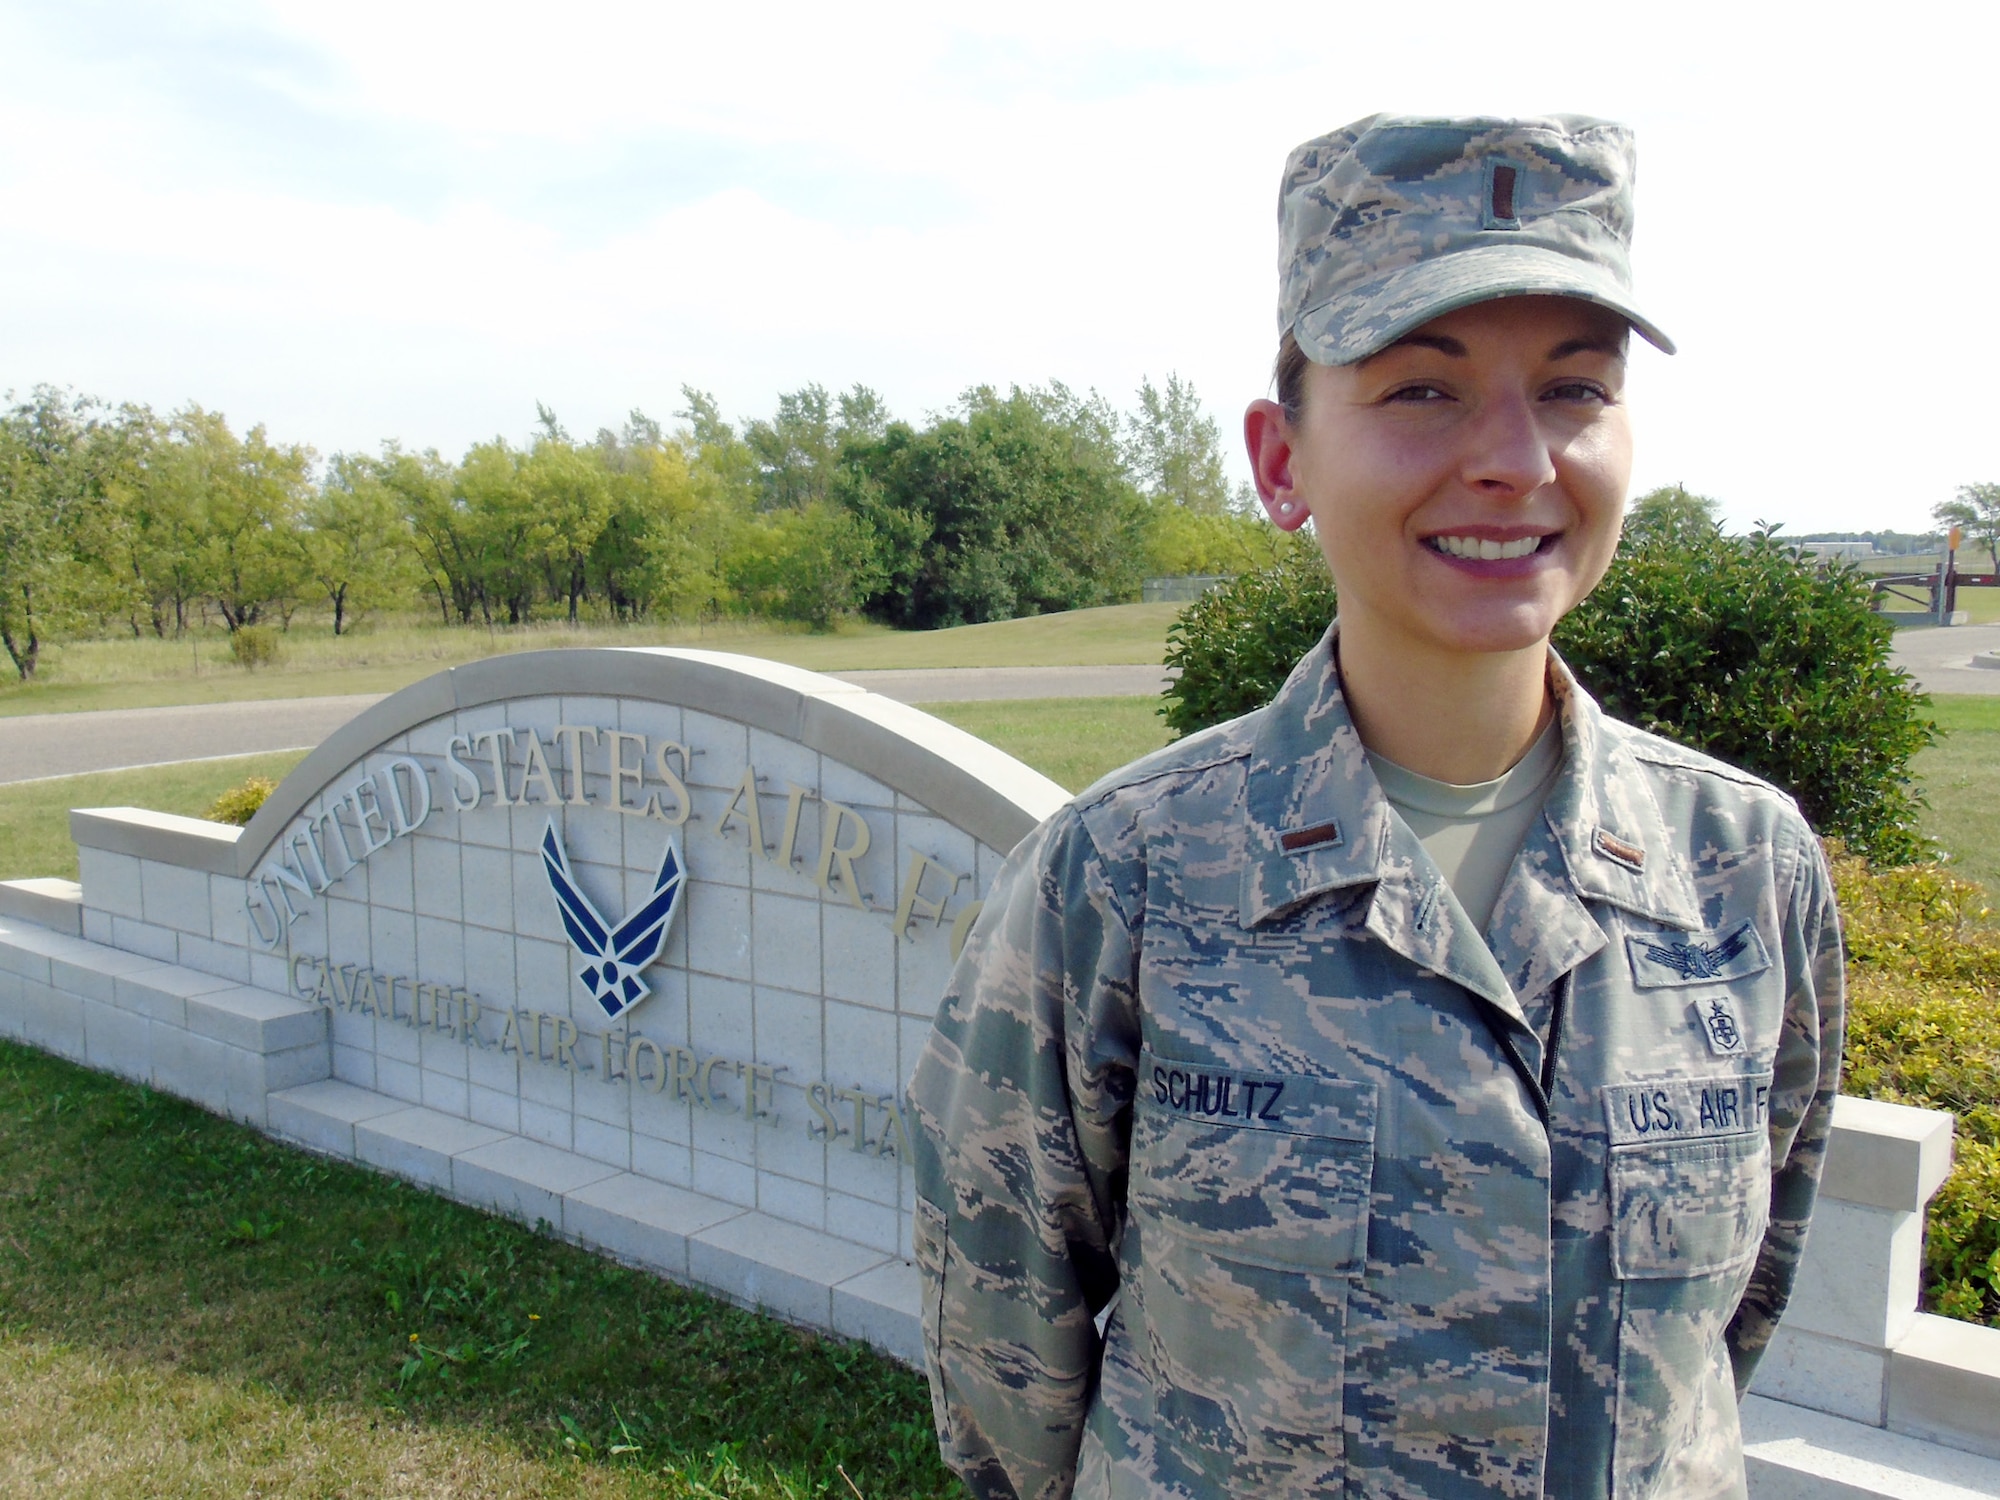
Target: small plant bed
{"points": [[189, 1308]]}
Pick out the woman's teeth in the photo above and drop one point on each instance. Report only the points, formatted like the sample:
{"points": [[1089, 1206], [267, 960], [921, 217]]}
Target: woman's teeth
{"points": [[1485, 550]]}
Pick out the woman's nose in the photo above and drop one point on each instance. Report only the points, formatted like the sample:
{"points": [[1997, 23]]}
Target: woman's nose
{"points": [[1506, 452]]}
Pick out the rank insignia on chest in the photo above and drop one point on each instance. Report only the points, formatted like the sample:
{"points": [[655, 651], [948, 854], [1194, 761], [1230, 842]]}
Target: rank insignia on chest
{"points": [[1719, 1022], [1674, 960]]}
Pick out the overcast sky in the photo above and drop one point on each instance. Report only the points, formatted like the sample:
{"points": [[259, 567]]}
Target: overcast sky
{"points": [[355, 221]]}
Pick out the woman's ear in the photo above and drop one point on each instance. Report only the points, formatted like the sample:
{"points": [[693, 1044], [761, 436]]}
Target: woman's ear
{"points": [[1267, 433]]}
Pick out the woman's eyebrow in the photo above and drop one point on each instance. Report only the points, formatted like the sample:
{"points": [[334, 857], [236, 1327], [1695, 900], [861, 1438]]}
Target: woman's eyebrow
{"points": [[1615, 347], [1443, 343], [1438, 341]]}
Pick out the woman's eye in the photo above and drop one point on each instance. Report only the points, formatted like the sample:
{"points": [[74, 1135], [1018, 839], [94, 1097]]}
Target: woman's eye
{"points": [[1420, 391], [1578, 390]]}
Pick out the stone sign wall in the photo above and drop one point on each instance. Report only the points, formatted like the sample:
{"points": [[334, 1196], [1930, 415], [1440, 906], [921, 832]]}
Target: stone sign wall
{"points": [[642, 943]]}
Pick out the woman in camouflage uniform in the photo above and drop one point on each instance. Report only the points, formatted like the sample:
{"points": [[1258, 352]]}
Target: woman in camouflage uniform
{"points": [[1417, 1087]]}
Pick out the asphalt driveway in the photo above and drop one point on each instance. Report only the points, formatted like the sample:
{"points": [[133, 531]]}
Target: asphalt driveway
{"points": [[36, 746]]}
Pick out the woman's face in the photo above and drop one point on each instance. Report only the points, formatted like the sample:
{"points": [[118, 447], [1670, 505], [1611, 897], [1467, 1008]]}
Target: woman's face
{"points": [[1466, 483]]}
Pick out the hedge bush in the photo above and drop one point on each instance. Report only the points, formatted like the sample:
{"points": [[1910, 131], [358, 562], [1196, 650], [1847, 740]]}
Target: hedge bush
{"points": [[1235, 644], [1736, 646], [1923, 1028], [1740, 647], [254, 646]]}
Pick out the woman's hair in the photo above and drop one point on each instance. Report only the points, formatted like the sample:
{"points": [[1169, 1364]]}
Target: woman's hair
{"points": [[1289, 373]]}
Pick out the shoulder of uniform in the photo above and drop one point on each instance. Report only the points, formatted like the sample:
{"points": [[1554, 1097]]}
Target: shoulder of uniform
{"points": [[1153, 775], [1654, 750]]}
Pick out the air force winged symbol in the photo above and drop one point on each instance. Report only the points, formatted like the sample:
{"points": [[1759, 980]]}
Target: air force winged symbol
{"points": [[615, 955]]}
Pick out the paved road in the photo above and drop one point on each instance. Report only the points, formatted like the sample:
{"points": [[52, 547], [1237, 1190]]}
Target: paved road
{"points": [[42, 745], [1941, 660]]}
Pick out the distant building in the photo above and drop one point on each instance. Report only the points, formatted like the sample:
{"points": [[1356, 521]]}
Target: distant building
{"points": [[1180, 589], [1840, 549]]}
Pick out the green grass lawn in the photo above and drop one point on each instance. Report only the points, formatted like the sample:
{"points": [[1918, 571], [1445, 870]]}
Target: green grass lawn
{"points": [[150, 674], [1961, 777], [189, 1309], [1072, 741], [35, 814]]}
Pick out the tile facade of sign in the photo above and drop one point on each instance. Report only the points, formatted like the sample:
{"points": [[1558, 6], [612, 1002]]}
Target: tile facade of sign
{"points": [[717, 1097]]}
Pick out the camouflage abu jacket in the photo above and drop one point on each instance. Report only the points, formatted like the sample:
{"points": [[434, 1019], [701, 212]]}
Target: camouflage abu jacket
{"points": [[1224, 1069]]}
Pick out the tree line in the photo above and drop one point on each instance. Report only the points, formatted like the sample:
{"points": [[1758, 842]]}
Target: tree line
{"points": [[113, 518]]}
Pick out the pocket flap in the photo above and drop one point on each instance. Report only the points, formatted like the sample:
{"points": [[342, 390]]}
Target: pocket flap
{"points": [[1262, 1167], [1689, 1207]]}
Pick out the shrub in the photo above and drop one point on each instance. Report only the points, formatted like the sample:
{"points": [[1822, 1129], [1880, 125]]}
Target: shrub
{"points": [[1235, 644], [239, 804], [1739, 647], [1731, 645], [254, 646], [1923, 1028]]}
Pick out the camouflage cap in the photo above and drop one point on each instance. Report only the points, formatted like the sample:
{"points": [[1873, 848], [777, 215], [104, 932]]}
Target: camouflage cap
{"points": [[1398, 219]]}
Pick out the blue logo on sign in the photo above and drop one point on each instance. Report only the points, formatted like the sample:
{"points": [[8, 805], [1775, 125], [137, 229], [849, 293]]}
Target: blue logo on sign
{"points": [[615, 954]]}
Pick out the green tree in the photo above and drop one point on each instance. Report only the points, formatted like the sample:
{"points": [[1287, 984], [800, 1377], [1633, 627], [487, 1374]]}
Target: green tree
{"points": [[443, 535], [815, 563], [864, 416], [799, 449], [666, 542], [355, 543], [42, 485], [727, 465], [1181, 541], [1741, 647], [569, 493], [1977, 510], [1173, 449], [507, 536], [795, 449], [1017, 505], [1671, 510], [245, 499], [1232, 648]]}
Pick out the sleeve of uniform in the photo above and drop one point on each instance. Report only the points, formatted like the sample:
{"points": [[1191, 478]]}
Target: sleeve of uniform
{"points": [[1805, 1079], [1020, 1106]]}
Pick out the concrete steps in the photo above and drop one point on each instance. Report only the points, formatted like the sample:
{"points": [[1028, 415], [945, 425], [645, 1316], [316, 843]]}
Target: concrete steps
{"points": [[1791, 1453]]}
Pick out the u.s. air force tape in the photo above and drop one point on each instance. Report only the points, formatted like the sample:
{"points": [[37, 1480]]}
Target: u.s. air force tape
{"points": [[1686, 1108]]}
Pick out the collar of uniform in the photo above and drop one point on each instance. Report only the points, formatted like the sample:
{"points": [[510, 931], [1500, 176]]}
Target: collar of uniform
{"points": [[1607, 821], [1318, 819]]}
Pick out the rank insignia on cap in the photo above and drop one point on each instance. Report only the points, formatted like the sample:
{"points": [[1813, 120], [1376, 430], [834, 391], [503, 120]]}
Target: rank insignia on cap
{"points": [[1670, 960], [1502, 178]]}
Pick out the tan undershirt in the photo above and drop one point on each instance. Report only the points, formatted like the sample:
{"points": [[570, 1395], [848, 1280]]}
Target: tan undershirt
{"points": [[1472, 833]]}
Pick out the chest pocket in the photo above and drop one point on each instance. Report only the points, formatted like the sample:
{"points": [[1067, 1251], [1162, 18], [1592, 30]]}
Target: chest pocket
{"points": [[1247, 1225], [1690, 1175], [1690, 1188]]}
